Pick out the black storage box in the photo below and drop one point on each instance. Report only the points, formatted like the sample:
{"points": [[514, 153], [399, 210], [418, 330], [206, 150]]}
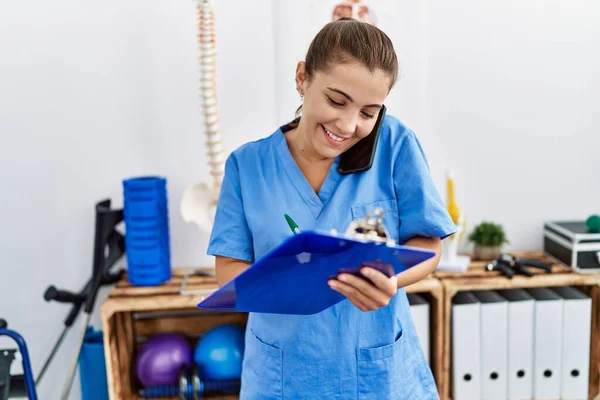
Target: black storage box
{"points": [[570, 242]]}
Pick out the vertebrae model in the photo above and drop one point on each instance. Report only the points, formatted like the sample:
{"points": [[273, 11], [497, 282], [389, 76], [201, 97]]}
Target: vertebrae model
{"points": [[200, 199], [208, 90]]}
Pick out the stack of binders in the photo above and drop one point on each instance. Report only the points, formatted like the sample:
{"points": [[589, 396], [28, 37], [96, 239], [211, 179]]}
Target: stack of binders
{"points": [[521, 344], [147, 244]]}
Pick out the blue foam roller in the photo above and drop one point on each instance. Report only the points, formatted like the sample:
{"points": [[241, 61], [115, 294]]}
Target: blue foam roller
{"points": [[145, 183], [147, 240], [144, 210]]}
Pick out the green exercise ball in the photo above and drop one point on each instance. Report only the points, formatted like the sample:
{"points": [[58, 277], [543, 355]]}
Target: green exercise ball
{"points": [[593, 224]]}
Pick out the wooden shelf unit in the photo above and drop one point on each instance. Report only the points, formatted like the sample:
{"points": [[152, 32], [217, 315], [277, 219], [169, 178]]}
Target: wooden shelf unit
{"points": [[131, 314], [477, 278], [432, 289]]}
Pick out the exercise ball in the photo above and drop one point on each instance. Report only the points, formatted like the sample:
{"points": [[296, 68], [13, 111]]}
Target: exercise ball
{"points": [[220, 351], [161, 357]]}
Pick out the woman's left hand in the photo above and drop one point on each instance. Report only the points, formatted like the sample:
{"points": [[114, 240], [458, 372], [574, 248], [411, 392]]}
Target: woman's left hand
{"points": [[366, 294]]}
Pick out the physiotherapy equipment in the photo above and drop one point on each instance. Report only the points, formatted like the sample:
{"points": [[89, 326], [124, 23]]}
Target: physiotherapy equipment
{"points": [[167, 365], [161, 358], [19, 385], [107, 240], [191, 386], [219, 352], [509, 265], [147, 238], [200, 199]]}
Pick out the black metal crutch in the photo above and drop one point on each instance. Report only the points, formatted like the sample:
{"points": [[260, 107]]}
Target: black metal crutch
{"points": [[116, 246], [106, 221]]}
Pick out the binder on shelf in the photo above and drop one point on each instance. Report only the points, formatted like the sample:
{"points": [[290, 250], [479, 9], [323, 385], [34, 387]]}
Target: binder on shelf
{"points": [[420, 311], [576, 336], [292, 278], [494, 343], [547, 354], [466, 347], [520, 343]]}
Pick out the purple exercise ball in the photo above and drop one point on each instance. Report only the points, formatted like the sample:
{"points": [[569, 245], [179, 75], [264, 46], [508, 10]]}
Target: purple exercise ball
{"points": [[161, 357]]}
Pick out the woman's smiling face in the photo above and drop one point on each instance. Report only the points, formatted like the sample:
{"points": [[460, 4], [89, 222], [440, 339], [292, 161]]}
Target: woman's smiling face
{"points": [[340, 106]]}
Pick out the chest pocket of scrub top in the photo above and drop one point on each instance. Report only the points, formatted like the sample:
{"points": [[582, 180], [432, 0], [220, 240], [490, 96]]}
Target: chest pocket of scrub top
{"points": [[390, 214]]}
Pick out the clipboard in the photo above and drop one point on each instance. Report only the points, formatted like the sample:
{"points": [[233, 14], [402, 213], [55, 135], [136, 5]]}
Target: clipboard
{"points": [[292, 278]]}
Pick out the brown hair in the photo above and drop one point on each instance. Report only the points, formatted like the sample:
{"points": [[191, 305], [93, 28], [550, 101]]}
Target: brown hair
{"points": [[347, 40]]}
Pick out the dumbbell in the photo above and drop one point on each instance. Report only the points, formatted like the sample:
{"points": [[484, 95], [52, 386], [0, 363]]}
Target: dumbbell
{"points": [[191, 387]]}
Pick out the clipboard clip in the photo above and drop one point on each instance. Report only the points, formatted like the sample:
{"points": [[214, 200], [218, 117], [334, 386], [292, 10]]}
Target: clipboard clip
{"points": [[370, 228]]}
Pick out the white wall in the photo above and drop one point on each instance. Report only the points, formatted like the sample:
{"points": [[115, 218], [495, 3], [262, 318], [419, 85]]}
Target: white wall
{"points": [[93, 93], [514, 94]]}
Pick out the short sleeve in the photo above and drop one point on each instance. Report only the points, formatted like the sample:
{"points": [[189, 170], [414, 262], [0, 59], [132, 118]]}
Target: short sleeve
{"points": [[230, 236], [420, 207]]}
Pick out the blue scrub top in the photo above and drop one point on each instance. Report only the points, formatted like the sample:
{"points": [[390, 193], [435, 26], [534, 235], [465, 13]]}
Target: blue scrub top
{"points": [[342, 352]]}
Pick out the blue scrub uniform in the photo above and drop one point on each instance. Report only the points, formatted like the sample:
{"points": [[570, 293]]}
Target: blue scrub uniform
{"points": [[342, 352]]}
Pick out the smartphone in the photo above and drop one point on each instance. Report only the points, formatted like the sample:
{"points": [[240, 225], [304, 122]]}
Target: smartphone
{"points": [[385, 268], [360, 156]]}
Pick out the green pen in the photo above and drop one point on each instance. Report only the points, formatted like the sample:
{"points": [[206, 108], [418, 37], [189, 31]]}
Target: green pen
{"points": [[292, 224]]}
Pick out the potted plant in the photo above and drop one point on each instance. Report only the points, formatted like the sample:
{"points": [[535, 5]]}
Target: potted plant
{"points": [[488, 239]]}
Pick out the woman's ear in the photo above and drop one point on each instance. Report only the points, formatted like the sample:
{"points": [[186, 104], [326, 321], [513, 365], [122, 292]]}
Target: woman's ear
{"points": [[300, 77]]}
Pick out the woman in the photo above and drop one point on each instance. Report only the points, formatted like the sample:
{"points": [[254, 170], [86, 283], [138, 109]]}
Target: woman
{"points": [[327, 168]]}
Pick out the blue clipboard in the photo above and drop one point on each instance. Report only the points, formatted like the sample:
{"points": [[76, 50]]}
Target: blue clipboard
{"points": [[292, 278]]}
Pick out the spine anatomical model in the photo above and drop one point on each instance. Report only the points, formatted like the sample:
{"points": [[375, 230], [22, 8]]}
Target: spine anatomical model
{"points": [[208, 89], [200, 199]]}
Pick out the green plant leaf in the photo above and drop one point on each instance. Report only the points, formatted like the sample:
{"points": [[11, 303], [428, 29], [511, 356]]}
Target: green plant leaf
{"points": [[488, 234]]}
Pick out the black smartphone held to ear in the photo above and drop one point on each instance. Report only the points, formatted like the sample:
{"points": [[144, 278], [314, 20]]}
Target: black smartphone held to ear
{"points": [[360, 156]]}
